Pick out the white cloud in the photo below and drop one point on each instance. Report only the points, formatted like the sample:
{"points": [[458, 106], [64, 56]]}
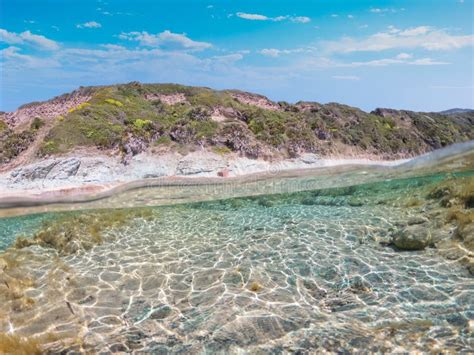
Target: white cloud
{"points": [[273, 52], [40, 41], [10, 37], [90, 24], [404, 56], [396, 60], [259, 17], [12, 55], [350, 17], [427, 61], [334, 15], [28, 38], [253, 17], [422, 37], [346, 77], [393, 29], [324, 62], [416, 31], [270, 52], [113, 47], [169, 37], [114, 63], [379, 10], [229, 58], [165, 39], [300, 19]]}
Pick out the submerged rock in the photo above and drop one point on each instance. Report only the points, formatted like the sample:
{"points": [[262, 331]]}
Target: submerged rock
{"points": [[439, 235], [161, 313], [414, 237], [417, 220], [466, 233], [354, 202]]}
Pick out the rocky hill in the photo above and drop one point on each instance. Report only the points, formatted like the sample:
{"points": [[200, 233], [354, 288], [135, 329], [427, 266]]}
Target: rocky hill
{"points": [[128, 119], [455, 111]]}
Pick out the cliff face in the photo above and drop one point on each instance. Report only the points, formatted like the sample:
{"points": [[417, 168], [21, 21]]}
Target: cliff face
{"points": [[132, 118]]}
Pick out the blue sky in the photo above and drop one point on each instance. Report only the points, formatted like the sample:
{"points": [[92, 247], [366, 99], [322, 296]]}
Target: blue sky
{"points": [[412, 54]]}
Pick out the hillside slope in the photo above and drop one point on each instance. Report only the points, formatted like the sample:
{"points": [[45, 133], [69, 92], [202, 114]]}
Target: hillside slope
{"points": [[132, 118], [455, 111]]}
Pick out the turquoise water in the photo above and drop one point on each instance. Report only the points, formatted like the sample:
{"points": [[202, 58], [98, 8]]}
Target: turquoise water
{"points": [[293, 272], [12, 227]]}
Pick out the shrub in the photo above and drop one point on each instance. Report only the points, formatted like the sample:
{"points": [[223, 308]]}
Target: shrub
{"points": [[37, 123], [114, 102], [13, 144], [204, 129], [3, 126], [79, 107], [142, 124], [199, 113], [163, 140], [222, 150]]}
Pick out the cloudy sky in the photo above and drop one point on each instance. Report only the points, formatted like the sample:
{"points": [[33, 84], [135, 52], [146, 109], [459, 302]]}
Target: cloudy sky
{"points": [[412, 54]]}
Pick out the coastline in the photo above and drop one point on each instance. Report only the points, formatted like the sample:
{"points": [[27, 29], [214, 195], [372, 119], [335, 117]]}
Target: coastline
{"points": [[74, 176], [84, 178]]}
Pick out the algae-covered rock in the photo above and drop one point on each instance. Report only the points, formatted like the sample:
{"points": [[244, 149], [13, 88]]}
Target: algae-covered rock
{"points": [[417, 220], [414, 237], [466, 233], [439, 235], [354, 202]]}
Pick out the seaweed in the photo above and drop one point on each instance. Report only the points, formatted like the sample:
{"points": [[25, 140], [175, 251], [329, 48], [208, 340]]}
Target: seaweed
{"points": [[255, 286], [15, 344], [73, 232]]}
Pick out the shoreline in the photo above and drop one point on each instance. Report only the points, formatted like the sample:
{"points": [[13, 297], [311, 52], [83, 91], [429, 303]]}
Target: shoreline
{"points": [[76, 178], [90, 177]]}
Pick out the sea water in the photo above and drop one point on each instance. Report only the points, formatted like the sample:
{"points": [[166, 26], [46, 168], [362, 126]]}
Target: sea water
{"points": [[300, 271]]}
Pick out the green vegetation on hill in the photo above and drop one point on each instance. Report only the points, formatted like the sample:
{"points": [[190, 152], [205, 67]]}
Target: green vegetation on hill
{"points": [[132, 117], [13, 143]]}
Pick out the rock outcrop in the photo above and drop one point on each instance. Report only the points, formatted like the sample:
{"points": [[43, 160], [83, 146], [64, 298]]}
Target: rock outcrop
{"points": [[51, 168], [256, 100], [58, 106], [197, 164], [168, 99]]}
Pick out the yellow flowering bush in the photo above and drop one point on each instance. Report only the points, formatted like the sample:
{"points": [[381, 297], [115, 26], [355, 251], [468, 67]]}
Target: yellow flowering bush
{"points": [[79, 107], [114, 102]]}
